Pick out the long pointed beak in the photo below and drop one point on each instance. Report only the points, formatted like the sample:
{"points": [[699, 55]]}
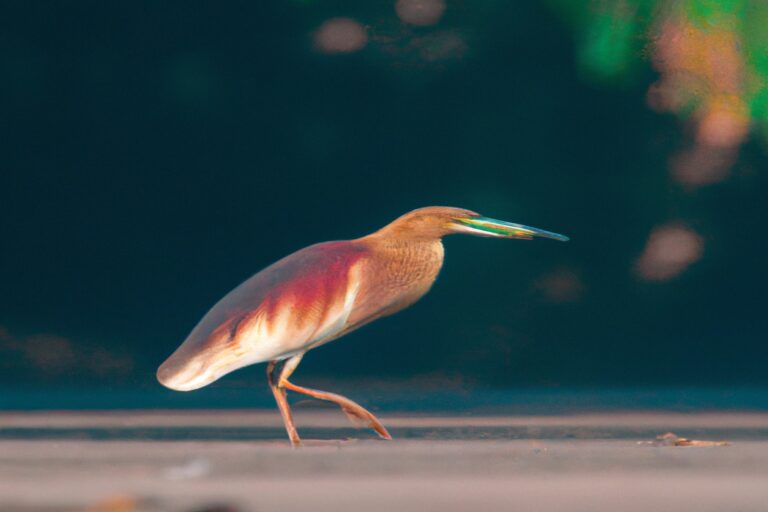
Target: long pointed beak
{"points": [[486, 226]]}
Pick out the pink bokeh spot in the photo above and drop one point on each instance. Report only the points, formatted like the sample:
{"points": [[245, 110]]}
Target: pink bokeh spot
{"points": [[420, 12], [670, 250], [340, 35]]}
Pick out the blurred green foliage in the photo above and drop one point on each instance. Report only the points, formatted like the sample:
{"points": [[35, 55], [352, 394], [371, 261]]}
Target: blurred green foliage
{"points": [[617, 39]]}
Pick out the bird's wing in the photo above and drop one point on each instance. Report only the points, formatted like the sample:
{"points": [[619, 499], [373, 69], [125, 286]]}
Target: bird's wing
{"points": [[296, 303]]}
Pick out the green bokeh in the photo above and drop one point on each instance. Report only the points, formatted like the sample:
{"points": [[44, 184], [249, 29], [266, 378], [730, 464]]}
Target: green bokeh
{"points": [[613, 36]]}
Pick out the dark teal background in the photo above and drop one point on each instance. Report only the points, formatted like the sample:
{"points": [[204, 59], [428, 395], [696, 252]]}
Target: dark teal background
{"points": [[155, 154]]}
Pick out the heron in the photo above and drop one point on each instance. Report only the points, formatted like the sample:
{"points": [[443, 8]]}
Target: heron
{"points": [[320, 293]]}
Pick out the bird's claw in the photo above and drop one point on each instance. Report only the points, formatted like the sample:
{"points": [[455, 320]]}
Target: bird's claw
{"points": [[365, 418]]}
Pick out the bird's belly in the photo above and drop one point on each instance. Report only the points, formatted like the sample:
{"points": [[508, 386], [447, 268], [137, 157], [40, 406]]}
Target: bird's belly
{"points": [[281, 339]]}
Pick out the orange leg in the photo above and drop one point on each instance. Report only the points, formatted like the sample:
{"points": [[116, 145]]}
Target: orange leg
{"points": [[282, 403], [355, 412]]}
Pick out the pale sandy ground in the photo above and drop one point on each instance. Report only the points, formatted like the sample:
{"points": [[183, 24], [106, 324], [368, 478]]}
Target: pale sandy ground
{"points": [[190, 462]]}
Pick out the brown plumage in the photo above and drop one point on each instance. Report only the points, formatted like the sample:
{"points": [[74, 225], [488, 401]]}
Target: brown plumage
{"points": [[320, 293]]}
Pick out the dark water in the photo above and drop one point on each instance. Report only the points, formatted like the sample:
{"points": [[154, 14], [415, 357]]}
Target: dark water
{"points": [[489, 433], [403, 399]]}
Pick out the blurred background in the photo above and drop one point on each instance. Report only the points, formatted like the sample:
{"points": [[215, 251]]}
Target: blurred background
{"points": [[155, 155]]}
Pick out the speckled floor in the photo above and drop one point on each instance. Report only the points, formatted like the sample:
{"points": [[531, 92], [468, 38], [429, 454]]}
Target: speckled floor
{"points": [[239, 461]]}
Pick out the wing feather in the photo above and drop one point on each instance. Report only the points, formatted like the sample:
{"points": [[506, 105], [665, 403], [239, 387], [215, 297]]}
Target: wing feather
{"points": [[295, 303]]}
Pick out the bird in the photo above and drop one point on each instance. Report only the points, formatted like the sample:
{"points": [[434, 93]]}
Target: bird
{"points": [[319, 294]]}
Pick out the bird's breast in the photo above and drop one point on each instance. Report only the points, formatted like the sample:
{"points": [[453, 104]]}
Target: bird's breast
{"points": [[413, 267], [396, 275]]}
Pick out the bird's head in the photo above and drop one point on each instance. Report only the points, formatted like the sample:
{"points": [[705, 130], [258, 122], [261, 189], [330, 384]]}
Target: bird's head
{"points": [[435, 222]]}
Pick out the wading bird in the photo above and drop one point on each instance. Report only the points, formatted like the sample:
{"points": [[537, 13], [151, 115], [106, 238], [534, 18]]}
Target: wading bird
{"points": [[321, 293]]}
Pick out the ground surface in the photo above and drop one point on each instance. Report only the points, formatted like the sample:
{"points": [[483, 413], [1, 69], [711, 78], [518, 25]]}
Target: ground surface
{"points": [[240, 461]]}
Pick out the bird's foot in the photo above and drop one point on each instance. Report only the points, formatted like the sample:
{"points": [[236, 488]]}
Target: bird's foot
{"points": [[363, 417]]}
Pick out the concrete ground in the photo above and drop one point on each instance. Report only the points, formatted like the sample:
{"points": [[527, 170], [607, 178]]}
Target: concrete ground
{"points": [[240, 461]]}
